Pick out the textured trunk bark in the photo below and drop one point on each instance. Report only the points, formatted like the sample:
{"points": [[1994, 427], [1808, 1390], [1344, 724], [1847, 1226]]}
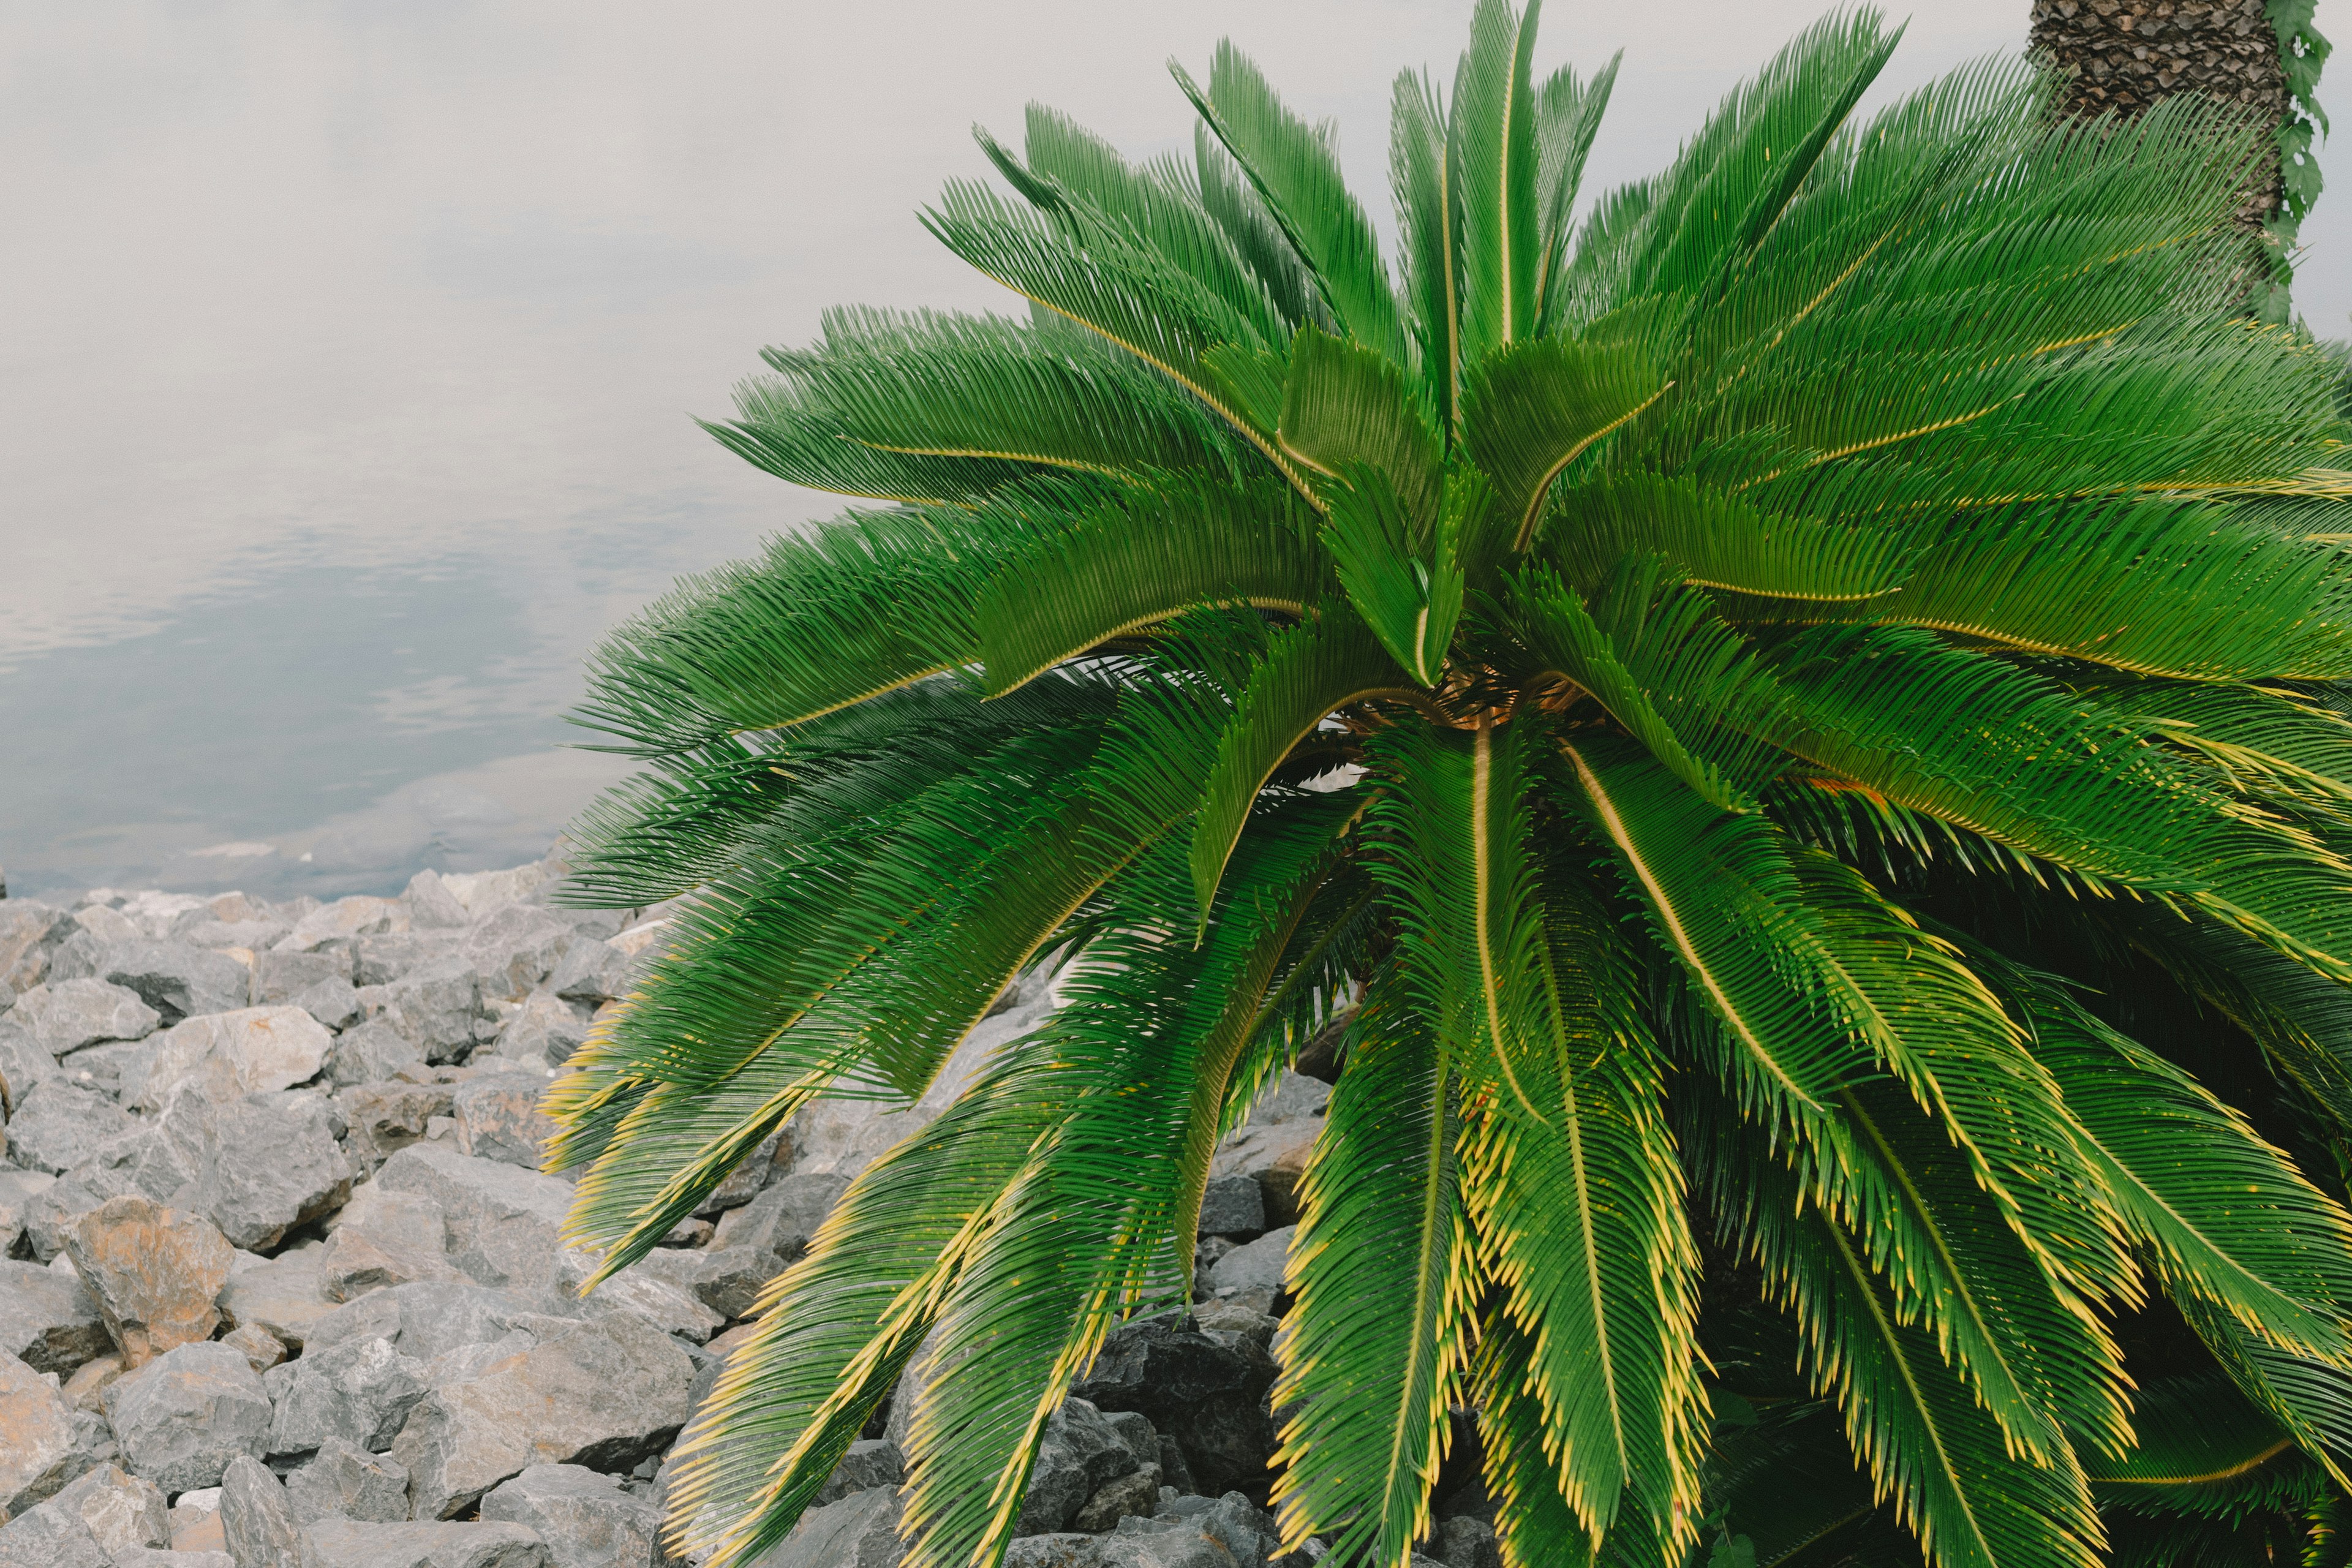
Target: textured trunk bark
{"points": [[2123, 55]]}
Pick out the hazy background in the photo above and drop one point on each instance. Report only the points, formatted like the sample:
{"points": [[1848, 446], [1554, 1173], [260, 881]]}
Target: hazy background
{"points": [[346, 394]]}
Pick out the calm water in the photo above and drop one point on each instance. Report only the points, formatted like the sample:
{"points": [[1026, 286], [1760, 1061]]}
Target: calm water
{"points": [[351, 349]]}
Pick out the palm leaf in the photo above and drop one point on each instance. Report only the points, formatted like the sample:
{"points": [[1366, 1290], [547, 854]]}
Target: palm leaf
{"points": [[1492, 150]]}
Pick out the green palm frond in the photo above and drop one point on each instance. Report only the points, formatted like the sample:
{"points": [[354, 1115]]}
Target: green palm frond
{"points": [[1794, 730]]}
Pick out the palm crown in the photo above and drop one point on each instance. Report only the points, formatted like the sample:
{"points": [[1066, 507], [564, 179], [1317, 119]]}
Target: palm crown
{"points": [[1768, 721]]}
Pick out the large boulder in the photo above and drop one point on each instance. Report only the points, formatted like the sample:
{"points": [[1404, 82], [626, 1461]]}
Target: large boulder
{"points": [[228, 1056], [186, 1414], [545, 1031], [672, 1306], [286, 1296], [279, 977], [49, 1320], [70, 1014], [28, 931], [585, 1519], [350, 1543], [499, 1118], [120, 1511], [1233, 1205], [1079, 1454], [43, 1441], [504, 1224], [176, 980], [1257, 1267], [605, 1394], [62, 1124], [343, 1480], [381, 960], [384, 1237], [155, 1272], [345, 919], [24, 1062], [871, 1462], [44, 1536], [273, 1164], [429, 1319], [861, 1531], [370, 1052], [1272, 1147], [360, 1391], [593, 973], [437, 1006], [784, 1216], [514, 948], [1208, 1393], [257, 1521]]}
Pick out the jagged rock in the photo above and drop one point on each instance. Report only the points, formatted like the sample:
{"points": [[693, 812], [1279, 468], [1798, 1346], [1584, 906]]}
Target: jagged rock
{"points": [[49, 1320], [344, 920], [432, 906], [181, 1417], [228, 1056], [870, 1462], [280, 976], [1257, 1267], [43, 1441], [1247, 1532], [1231, 1317], [751, 1175], [1466, 1542], [1079, 1454], [70, 1014], [48, 1537], [348, 1543], [484, 893], [77, 957], [1135, 1430], [861, 1531], [1130, 1497], [429, 1319], [670, 1305], [51, 1211], [119, 1510], [381, 960], [262, 1349], [155, 1272], [1272, 1147], [360, 1391], [438, 1006], [333, 1003], [256, 1520], [385, 1118], [176, 980], [545, 1031], [110, 1066], [23, 1063], [514, 948], [604, 1394], [1138, 1543], [28, 930], [273, 1165], [1233, 1205], [286, 1296], [149, 1557], [499, 1118], [593, 972], [585, 1519], [86, 1389], [503, 1223], [345, 1481], [1207, 1393], [17, 1191], [726, 1279], [370, 1052], [61, 1125], [382, 1238], [783, 1216]]}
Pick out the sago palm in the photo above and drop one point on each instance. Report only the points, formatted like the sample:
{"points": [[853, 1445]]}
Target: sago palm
{"points": [[1795, 728]]}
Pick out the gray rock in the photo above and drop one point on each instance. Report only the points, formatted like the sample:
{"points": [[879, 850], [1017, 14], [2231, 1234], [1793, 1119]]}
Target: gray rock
{"points": [[360, 1391], [593, 972], [1130, 1497], [61, 1125], [516, 948], [77, 957], [28, 930], [1247, 1532], [254, 937], [1231, 1317], [47, 1538], [1272, 1147], [381, 960], [349, 1543], [546, 1031], [286, 1296], [23, 1062], [262, 1349], [1233, 1205], [281, 976], [585, 1519], [783, 1217], [1137, 1545], [49, 1320], [1207, 1393], [861, 1531], [382, 1238], [50, 1213], [504, 1224], [274, 1165], [1466, 1542], [152, 1557], [227, 1056], [499, 1118], [671, 1306], [1257, 1267], [17, 1191], [1079, 1454], [345, 919], [438, 1006], [751, 1175], [332, 1002], [155, 1272], [1135, 1430], [184, 1415], [1174, 1473], [67, 1015], [432, 906], [108, 1067], [429, 1319], [119, 1510], [728, 1279], [176, 980], [370, 1052], [43, 1441], [256, 1518], [871, 1462], [345, 1481], [385, 1118], [605, 1394]]}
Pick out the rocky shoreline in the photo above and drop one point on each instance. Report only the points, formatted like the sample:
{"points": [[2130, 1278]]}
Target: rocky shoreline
{"points": [[284, 1287]]}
